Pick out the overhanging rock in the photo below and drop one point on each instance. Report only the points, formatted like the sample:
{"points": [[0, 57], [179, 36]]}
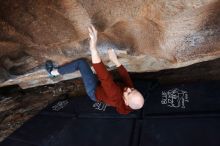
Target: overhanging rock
{"points": [[147, 35]]}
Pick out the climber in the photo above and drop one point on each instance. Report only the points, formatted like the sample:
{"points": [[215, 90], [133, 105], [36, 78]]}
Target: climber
{"points": [[124, 98]]}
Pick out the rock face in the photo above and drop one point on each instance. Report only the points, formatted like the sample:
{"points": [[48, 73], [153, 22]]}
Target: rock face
{"points": [[17, 106], [148, 35]]}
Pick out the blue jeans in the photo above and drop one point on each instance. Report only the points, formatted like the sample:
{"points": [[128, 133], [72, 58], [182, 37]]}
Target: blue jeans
{"points": [[89, 79]]}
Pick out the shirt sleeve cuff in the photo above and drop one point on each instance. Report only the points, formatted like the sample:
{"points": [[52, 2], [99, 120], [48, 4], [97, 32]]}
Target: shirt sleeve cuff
{"points": [[98, 65], [121, 68]]}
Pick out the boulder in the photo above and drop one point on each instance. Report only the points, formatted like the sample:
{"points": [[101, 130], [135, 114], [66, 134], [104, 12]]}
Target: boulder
{"points": [[147, 35]]}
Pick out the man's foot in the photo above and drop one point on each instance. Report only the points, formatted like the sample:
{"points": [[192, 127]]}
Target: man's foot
{"points": [[51, 69]]}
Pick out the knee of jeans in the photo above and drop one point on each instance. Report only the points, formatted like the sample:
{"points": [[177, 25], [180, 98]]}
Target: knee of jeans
{"points": [[81, 60], [78, 60]]}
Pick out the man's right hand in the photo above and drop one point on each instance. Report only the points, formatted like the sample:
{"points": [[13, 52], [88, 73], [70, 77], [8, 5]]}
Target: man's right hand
{"points": [[93, 38], [113, 57]]}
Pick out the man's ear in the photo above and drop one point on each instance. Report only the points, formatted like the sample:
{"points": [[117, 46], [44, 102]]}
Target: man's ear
{"points": [[126, 101]]}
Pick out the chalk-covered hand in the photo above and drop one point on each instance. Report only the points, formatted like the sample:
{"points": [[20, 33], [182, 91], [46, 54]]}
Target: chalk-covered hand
{"points": [[113, 57], [93, 37]]}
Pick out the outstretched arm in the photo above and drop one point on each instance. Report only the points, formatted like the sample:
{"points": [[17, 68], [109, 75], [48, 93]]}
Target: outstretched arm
{"points": [[102, 73], [93, 40], [122, 71]]}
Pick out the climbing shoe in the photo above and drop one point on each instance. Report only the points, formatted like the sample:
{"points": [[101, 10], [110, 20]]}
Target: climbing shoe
{"points": [[49, 66]]}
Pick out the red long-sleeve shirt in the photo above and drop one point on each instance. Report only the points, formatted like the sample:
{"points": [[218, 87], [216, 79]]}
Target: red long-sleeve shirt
{"points": [[110, 92]]}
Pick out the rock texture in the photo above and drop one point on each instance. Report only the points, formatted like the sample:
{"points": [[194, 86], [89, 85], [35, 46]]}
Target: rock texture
{"points": [[148, 35], [17, 106]]}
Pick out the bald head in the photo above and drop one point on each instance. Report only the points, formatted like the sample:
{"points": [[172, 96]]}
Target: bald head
{"points": [[133, 98]]}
